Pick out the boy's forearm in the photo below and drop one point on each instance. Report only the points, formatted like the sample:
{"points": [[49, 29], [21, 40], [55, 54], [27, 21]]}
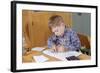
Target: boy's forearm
{"points": [[72, 48]]}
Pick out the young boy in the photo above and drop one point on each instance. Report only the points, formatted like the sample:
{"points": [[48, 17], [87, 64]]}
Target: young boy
{"points": [[63, 38]]}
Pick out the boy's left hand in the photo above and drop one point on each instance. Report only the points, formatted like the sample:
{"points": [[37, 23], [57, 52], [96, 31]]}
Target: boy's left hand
{"points": [[60, 48]]}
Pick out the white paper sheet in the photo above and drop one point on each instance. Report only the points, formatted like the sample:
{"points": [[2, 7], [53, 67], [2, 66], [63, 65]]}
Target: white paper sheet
{"points": [[38, 48], [40, 58], [73, 53], [61, 55]]}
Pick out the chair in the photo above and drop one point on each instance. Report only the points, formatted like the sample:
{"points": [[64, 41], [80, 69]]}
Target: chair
{"points": [[85, 43]]}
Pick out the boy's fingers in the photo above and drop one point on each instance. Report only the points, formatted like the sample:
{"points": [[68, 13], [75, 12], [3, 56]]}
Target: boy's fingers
{"points": [[55, 50]]}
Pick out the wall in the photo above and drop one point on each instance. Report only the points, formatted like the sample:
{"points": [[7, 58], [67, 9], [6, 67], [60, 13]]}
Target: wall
{"points": [[81, 23]]}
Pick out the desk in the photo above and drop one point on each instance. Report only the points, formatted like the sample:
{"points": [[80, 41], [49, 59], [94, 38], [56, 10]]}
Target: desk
{"points": [[28, 58]]}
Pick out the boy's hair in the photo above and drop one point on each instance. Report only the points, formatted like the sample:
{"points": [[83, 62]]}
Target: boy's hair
{"points": [[55, 20]]}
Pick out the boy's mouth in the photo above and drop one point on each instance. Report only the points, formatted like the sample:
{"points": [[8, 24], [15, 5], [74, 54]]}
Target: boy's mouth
{"points": [[61, 34]]}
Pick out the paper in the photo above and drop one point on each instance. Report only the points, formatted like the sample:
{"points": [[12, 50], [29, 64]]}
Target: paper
{"points": [[61, 55], [72, 53], [40, 58], [38, 48]]}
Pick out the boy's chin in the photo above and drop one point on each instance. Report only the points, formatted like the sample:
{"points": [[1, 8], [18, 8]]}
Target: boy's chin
{"points": [[59, 34]]}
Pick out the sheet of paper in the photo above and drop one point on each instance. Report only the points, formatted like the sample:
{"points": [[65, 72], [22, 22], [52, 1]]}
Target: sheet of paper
{"points": [[38, 48], [40, 58], [61, 55], [73, 53]]}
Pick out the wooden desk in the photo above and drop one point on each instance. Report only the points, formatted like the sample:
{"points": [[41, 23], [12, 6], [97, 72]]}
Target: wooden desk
{"points": [[28, 58]]}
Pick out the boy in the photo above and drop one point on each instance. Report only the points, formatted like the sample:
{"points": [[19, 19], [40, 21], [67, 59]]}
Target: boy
{"points": [[63, 38]]}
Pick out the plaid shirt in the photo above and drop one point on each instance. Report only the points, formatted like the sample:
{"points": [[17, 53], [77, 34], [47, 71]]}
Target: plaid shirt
{"points": [[69, 40]]}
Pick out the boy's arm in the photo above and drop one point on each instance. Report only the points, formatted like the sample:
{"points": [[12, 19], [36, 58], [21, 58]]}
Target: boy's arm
{"points": [[61, 48], [51, 45], [74, 42]]}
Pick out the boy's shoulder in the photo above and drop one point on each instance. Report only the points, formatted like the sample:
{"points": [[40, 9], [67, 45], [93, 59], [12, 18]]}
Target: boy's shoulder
{"points": [[69, 30]]}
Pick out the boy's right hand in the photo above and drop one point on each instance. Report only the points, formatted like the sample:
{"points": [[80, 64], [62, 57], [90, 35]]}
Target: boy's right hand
{"points": [[54, 48]]}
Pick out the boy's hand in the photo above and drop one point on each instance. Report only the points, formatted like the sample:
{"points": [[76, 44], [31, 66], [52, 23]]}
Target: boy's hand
{"points": [[54, 48], [61, 48]]}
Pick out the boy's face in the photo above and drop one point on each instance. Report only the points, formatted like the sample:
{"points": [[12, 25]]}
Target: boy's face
{"points": [[58, 30]]}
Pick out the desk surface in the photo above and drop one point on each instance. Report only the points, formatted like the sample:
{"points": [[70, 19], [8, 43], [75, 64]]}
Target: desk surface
{"points": [[28, 57]]}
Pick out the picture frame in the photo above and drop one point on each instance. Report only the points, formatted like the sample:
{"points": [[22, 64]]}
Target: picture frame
{"points": [[17, 8]]}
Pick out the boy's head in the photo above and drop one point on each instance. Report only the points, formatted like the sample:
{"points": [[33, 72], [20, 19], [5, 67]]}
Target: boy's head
{"points": [[56, 23]]}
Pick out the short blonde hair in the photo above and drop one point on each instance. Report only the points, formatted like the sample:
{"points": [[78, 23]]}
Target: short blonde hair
{"points": [[55, 20]]}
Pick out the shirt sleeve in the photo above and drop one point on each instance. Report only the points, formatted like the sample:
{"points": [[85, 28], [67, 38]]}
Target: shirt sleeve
{"points": [[50, 42], [73, 43]]}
